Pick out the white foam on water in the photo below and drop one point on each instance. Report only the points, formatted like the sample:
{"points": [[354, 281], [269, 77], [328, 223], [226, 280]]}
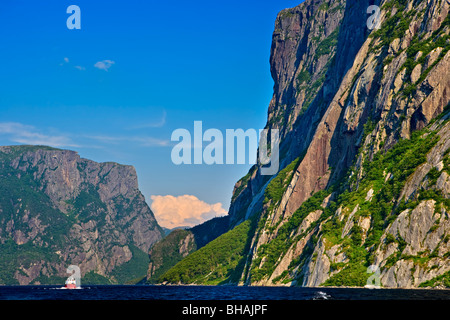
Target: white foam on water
{"points": [[320, 295]]}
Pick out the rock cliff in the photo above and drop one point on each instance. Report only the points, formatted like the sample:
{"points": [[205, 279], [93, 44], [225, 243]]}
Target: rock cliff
{"points": [[57, 209], [362, 189], [180, 243], [383, 97]]}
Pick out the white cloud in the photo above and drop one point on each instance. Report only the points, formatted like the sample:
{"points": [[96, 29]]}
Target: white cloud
{"points": [[153, 124], [80, 68], [66, 60], [142, 141], [150, 141], [185, 210], [104, 64], [26, 134]]}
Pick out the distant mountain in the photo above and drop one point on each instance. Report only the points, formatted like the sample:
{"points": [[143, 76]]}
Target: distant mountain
{"points": [[363, 187], [167, 230], [57, 209]]}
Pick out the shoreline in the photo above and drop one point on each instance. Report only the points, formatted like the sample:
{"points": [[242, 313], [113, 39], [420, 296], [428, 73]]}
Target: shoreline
{"points": [[333, 287], [210, 285]]}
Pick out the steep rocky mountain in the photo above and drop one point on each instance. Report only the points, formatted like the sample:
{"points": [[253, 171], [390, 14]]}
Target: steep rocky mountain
{"points": [[362, 193], [57, 209], [179, 243]]}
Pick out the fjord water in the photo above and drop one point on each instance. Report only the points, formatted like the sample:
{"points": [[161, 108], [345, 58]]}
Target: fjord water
{"points": [[124, 292]]}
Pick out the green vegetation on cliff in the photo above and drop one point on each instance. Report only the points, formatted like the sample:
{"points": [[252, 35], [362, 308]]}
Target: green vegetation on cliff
{"points": [[273, 250], [179, 243], [220, 261], [167, 252], [134, 270], [279, 183], [386, 175], [442, 280]]}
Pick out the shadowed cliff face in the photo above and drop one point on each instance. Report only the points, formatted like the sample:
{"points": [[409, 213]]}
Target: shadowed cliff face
{"points": [[338, 89], [65, 210], [306, 74], [356, 176], [331, 145]]}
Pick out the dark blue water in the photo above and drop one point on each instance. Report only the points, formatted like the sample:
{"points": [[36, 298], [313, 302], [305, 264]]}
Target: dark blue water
{"points": [[214, 293]]}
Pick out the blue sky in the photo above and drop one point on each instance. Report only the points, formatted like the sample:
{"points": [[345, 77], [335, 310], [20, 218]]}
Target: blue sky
{"points": [[137, 70]]}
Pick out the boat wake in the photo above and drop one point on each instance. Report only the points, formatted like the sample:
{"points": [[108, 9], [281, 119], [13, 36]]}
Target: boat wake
{"points": [[320, 295], [64, 288]]}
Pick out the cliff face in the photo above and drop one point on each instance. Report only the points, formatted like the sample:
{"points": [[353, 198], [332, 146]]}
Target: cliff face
{"points": [[57, 209], [363, 152], [313, 46], [397, 77]]}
